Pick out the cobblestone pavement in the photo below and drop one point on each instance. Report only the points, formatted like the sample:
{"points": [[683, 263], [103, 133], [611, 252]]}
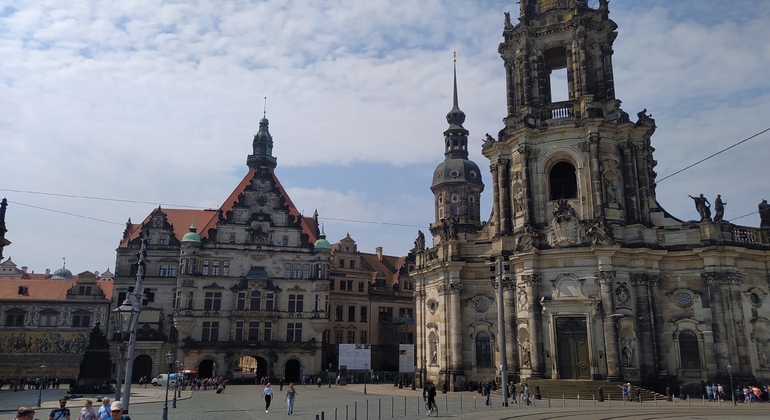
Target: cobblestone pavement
{"points": [[382, 402]]}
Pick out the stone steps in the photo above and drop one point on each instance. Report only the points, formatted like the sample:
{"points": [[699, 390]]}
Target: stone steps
{"points": [[586, 389]]}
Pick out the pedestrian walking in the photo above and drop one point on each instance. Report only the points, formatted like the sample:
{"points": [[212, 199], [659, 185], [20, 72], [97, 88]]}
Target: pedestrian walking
{"points": [[291, 393], [104, 410], [61, 413], [24, 413], [487, 392], [87, 412], [268, 393]]}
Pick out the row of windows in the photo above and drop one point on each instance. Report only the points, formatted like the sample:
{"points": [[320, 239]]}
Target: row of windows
{"points": [[213, 301], [379, 284], [339, 311], [47, 318], [250, 331]]}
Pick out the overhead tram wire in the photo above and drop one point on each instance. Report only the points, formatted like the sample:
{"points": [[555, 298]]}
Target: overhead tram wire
{"points": [[337, 219], [701, 161], [67, 213]]}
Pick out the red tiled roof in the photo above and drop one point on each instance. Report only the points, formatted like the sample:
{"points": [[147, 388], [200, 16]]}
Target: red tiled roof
{"points": [[389, 266], [41, 288], [205, 220]]}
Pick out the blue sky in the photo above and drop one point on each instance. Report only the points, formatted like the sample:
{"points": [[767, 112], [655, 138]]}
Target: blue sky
{"points": [[157, 102]]}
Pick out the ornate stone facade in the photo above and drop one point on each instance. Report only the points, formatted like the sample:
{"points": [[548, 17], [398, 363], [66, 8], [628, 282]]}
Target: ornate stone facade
{"points": [[242, 291], [608, 285]]}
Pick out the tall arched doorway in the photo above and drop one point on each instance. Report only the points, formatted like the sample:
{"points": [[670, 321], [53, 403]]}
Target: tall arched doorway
{"points": [[206, 369], [142, 367], [292, 371]]}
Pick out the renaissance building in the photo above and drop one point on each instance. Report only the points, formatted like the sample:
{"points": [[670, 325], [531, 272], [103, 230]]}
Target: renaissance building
{"points": [[237, 291], [599, 282]]}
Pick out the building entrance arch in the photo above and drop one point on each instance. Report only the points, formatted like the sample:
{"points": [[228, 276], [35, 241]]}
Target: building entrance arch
{"points": [[292, 371], [206, 369], [250, 368], [142, 367]]}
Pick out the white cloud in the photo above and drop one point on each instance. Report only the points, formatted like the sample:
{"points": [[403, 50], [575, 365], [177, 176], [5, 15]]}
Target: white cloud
{"points": [[158, 101]]}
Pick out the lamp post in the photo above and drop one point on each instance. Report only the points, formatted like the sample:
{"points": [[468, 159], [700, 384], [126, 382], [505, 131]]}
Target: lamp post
{"points": [[177, 385], [424, 377], [502, 266], [732, 390], [126, 317], [366, 372], [170, 363], [121, 369], [40, 387]]}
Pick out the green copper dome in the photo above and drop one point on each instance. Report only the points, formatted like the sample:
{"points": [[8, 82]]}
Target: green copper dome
{"points": [[192, 236], [322, 243]]}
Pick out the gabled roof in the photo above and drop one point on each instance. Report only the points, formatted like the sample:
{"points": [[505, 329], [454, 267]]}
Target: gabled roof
{"points": [[40, 288], [181, 219], [389, 266]]}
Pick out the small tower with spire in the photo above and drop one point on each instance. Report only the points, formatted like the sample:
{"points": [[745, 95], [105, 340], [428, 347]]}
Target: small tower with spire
{"points": [[262, 156], [457, 184]]}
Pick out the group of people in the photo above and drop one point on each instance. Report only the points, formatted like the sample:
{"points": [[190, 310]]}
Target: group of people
{"points": [[19, 383], [747, 393], [108, 411], [524, 394], [291, 395]]}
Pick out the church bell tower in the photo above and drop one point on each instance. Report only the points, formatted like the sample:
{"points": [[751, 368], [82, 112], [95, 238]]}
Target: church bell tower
{"points": [[567, 151]]}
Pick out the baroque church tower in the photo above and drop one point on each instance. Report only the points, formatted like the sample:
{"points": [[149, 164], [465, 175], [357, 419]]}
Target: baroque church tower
{"points": [[457, 184], [603, 283]]}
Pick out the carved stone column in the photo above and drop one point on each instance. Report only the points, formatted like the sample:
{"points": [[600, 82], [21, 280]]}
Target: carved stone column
{"points": [[596, 174], [494, 168], [511, 346], [503, 172], [535, 324], [611, 352], [510, 83], [525, 153], [454, 331], [648, 365], [718, 323], [631, 192]]}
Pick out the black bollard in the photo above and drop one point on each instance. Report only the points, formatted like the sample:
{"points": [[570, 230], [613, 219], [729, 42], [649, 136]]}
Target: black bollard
{"points": [[601, 394], [668, 394], [537, 392], [638, 395]]}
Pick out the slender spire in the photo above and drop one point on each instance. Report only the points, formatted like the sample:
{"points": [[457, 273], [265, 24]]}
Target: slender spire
{"points": [[262, 156], [456, 136]]}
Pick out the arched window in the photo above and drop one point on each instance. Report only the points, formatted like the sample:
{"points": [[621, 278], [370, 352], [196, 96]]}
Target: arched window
{"points": [[483, 350], [689, 352], [254, 303], [563, 181]]}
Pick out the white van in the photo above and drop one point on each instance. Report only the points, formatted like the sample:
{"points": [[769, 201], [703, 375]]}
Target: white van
{"points": [[162, 379]]}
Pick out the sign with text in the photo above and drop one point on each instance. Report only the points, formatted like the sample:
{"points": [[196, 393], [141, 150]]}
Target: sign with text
{"points": [[355, 356]]}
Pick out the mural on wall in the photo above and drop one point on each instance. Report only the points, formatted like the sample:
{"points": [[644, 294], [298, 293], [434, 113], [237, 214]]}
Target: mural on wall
{"points": [[43, 342]]}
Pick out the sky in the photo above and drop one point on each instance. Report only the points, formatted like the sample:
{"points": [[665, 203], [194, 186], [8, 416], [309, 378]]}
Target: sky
{"points": [[111, 108]]}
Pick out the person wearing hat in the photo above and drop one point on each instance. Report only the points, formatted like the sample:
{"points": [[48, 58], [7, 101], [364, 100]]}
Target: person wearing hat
{"points": [[116, 411]]}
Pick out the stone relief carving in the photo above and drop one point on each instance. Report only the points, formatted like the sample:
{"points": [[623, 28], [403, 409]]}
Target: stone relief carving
{"points": [[611, 181], [432, 306], [564, 226], [185, 283], [628, 351], [46, 343], [522, 298], [600, 233], [525, 241], [526, 353], [762, 355], [622, 295]]}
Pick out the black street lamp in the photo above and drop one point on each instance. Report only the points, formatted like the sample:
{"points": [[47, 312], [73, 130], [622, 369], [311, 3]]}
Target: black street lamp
{"points": [[40, 385], [126, 317], [177, 384], [366, 372], [424, 372], [732, 390], [170, 363]]}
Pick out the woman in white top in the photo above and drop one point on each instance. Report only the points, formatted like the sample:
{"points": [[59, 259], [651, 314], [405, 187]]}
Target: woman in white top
{"points": [[268, 393]]}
